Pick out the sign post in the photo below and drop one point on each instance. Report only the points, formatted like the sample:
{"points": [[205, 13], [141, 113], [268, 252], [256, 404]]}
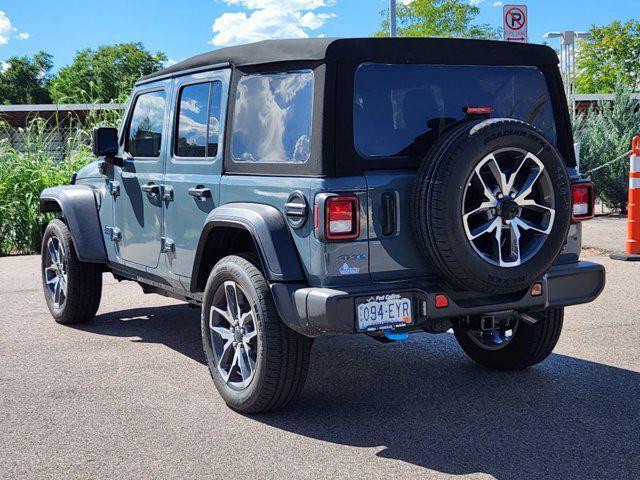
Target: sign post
{"points": [[515, 22]]}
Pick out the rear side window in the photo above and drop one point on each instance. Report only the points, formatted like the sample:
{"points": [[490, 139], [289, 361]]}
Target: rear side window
{"points": [[198, 128], [272, 118], [400, 110], [145, 128]]}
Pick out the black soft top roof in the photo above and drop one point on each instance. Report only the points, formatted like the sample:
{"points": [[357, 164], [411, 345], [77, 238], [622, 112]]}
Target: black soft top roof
{"points": [[387, 50]]}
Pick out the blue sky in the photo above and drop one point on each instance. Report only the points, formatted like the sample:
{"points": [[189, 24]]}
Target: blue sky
{"points": [[182, 28]]}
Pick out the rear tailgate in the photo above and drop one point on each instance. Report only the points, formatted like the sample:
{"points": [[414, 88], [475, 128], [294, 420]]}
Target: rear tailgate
{"points": [[393, 251]]}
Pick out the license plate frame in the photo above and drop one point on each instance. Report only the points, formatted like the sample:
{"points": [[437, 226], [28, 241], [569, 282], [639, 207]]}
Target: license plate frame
{"points": [[392, 315]]}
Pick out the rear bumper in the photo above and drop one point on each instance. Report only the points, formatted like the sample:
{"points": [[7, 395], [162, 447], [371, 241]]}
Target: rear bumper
{"points": [[315, 311]]}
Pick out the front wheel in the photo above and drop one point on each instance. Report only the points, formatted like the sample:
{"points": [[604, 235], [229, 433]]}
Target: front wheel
{"points": [[72, 288], [514, 344], [257, 363]]}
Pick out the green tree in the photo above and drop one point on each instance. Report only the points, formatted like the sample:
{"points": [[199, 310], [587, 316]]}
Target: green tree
{"points": [[105, 74], [605, 133], [438, 18], [25, 80], [610, 55]]}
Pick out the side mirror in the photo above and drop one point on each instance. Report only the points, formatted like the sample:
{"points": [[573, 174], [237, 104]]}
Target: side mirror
{"points": [[104, 141]]}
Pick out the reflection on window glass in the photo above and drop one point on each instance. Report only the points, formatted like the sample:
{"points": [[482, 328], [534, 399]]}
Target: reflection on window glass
{"points": [[214, 119], [272, 118], [145, 129], [400, 110], [192, 121], [199, 120]]}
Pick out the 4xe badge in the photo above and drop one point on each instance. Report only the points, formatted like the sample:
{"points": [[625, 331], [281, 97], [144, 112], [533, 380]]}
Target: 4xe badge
{"points": [[355, 256]]}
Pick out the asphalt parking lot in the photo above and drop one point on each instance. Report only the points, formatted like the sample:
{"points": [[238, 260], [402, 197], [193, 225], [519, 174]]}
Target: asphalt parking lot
{"points": [[128, 396]]}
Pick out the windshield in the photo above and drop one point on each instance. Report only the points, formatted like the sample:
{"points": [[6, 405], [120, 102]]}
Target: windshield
{"points": [[400, 110]]}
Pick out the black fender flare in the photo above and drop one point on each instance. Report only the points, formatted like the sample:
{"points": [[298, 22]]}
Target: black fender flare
{"points": [[270, 234], [80, 209]]}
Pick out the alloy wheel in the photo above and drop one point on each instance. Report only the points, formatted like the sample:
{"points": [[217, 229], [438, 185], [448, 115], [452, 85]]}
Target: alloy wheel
{"points": [[508, 207], [233, 334], [56, 276]]}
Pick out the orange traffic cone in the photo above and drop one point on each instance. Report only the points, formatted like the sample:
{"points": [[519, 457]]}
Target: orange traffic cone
{"points": [[632, 251]]}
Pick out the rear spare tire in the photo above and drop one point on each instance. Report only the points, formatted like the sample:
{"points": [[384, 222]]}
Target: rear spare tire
{"points": [[492, 205]]}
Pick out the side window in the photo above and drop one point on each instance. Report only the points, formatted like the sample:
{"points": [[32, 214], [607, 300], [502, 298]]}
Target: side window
{"points": [[272, 118], [145, 128], [214, 119], [198, 128]]}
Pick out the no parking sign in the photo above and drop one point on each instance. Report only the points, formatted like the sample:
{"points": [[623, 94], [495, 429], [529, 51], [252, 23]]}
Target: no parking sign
{"points": [[514, 23]]}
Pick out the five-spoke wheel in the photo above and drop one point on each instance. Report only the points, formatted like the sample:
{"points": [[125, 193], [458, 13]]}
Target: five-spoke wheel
{"points": [[72, 288], [56, 273], [233, 335], [257, 363]]}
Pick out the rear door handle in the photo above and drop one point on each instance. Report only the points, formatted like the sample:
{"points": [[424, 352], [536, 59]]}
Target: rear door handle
{"points": [[200, 191], [151, 189]]}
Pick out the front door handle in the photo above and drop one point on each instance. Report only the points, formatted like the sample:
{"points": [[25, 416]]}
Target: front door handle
{"points": [[200, 191], [151, 189]]}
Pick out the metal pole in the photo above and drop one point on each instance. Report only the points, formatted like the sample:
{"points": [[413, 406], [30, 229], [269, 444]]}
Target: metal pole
{"points": [[392, 18]]}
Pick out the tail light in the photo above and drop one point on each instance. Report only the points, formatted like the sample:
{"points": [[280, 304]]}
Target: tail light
{"points": [[583, 195], [342, 221], [336, 217]]}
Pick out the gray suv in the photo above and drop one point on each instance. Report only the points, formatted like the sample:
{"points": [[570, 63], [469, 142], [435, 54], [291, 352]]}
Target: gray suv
{"points": [[299, 188]]}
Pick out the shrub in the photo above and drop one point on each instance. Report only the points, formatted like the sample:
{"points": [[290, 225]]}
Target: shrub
{"points": [[26, 171], [604, 133]]}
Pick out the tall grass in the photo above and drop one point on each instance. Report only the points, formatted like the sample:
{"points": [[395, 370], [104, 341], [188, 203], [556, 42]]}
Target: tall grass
{"points": [[26, 171]]}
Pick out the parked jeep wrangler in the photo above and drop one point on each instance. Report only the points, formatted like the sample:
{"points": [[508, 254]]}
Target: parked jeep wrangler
{"points": [[299, 188]]}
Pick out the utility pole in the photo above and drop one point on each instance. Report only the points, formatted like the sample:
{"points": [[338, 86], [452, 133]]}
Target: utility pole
{"points": [[392, 18]]}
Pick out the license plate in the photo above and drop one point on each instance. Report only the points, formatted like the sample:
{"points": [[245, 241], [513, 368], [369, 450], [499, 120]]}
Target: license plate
{"points": [[383, 311]]}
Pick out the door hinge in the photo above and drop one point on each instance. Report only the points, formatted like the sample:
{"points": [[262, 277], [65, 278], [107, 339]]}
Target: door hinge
{"points": [[167, 193], [114, 233], [167, 245], [114, 188]]}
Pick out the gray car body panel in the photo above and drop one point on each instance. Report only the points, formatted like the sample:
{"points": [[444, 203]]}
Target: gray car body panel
{"points": [[269, 232], [78, 205]]}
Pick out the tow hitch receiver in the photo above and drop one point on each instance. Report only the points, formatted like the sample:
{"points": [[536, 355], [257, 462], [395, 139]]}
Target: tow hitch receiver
{"points": [[492, 320]]}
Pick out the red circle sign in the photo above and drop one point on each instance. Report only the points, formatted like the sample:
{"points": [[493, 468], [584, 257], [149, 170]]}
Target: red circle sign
{"points": [[514, 18]]}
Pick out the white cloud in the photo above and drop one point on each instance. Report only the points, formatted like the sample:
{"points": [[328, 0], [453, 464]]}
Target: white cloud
{"points": [[169, 62], [23, 36], [268, 19], [4, 66], [476, 3], [497, 4], [6, 29], [282, 5]]}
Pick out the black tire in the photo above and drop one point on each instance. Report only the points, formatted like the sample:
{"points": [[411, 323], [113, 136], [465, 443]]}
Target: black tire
{"points": [[281, 354], [438, 200], [83, 280], [531, 343]]}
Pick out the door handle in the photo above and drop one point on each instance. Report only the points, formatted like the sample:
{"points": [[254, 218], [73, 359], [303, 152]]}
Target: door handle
{"points": [[389, 213], [200, 191], [151, 189]]}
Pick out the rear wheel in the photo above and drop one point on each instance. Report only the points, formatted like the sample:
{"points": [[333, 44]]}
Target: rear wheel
{"points": [[257, 363], [72, 288], [513, 344]]}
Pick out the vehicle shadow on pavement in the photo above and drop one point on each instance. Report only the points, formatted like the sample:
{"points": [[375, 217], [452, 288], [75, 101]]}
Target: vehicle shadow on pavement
{"points": [[176, 326], [423, 402]]}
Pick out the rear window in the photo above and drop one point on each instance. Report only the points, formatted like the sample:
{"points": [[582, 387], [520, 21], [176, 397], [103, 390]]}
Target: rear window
{"points": [[272, 118], [400, 110]]}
